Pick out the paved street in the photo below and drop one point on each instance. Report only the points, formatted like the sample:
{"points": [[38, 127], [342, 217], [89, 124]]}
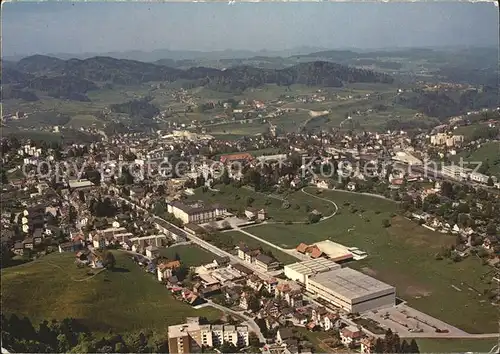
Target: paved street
{"points": [[248, 320], [452, 334]]}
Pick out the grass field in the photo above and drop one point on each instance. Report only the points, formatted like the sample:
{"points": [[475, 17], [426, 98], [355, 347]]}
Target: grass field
{"points": [[190, 255], [455, 345], [401, 255], [84, 120], [236, 198], [238, 128], [123, 300], [33, 134], [488, 153], [251, 242]]}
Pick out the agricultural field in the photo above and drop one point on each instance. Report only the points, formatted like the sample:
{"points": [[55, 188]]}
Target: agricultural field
{"points": [[236, 199], [402, 255], [189, 255], [124, 300]]}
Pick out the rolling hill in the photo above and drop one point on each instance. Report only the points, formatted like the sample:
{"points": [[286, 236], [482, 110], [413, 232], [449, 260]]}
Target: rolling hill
{"points": [[72, 79]]}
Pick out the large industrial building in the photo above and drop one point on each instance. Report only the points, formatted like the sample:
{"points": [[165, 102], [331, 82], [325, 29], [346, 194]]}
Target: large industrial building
{"points": [[301, 271], [346, 288], [351, 290]]}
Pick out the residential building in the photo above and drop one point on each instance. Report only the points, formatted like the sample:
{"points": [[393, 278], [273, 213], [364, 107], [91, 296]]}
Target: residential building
{"points": [[255, 214], [350, 336], [266, 263], [480, 178], [367, 345], [70, 247], [456, 172], [446, 139], [152, 252], [196, 213], [240, 158], [165, 270], [191, 337]]}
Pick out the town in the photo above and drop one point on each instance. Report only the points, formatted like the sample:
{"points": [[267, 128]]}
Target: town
{"points": [[308, 178], [95, 210]]}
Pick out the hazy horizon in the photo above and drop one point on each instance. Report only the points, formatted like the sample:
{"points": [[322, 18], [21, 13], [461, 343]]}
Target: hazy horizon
{"points": [[89, 27]]}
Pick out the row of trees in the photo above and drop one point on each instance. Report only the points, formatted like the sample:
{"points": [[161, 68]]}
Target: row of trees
{"points": [[69, 335], [391, 343]]}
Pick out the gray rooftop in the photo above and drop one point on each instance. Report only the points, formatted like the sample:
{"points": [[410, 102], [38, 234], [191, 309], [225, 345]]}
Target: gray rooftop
{"points": [[352, 285], [313, 266]]}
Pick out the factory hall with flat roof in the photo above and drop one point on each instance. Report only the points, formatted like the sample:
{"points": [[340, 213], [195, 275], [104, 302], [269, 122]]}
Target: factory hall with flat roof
{"points": [[346, 288]]}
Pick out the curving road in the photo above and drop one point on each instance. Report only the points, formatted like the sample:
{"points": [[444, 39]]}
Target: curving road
{"points": [[266, 275], [249, 320], [291, 252], [325, 200]]}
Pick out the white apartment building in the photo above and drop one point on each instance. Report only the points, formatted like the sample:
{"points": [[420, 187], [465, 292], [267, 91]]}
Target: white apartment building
{"points": [[445, 139], [480, 178], [196, 213], [191, 337], [456, 172]]}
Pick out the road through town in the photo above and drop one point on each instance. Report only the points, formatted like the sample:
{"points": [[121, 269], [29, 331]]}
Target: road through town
{"points": [[266, 275], [249, 320]]}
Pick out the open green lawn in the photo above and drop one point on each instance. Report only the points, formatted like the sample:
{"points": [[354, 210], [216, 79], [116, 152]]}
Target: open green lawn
{"points": [[401, 255], [455, 345], [488, 153], [251, 242], [84, 120], [238, 128], [236, 199], [123, 300], [190, 255], [467, 130]]}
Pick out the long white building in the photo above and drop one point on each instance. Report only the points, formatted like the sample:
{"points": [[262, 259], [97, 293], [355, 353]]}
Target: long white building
{"points": [[351, 290], [191, 337], [301, 271]]}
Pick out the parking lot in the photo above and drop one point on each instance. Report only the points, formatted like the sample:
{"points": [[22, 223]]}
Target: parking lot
{"points": [[409, 322]]}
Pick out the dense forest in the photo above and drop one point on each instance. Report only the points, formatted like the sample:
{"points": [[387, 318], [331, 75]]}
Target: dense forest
{"points": [[141, 108], [13, 93], [442, 104], [19, 335]]}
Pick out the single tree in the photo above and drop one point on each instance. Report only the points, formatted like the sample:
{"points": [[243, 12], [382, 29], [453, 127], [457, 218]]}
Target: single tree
{"points": [[414, 347], [253, 340], [228, 347]]}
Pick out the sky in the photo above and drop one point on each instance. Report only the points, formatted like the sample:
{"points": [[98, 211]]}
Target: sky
{"points": [[96, 27]]}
